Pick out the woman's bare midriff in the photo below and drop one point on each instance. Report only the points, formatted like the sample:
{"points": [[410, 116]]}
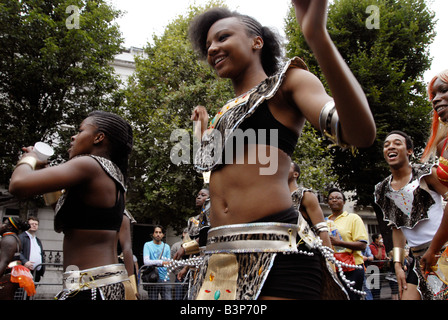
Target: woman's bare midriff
{"points": [[85, 249], [240, 193]]}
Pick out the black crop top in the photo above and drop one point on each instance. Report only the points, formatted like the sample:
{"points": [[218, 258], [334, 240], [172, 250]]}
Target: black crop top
{"points": [[72, 213], [248, 111], [263, 119]]}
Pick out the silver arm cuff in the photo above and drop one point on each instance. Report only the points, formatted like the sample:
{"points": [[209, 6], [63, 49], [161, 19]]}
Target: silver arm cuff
{"points": [[329, 124], [320, 227]]}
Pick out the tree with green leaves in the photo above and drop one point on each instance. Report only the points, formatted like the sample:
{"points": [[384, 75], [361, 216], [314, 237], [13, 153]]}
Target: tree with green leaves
{"points": [[168, 83], [315, 160], [389, 62], [386, 45], [54, 68]]}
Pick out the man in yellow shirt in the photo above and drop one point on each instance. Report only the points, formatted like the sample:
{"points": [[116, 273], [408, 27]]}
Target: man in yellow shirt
{"points": [[353, 239]]}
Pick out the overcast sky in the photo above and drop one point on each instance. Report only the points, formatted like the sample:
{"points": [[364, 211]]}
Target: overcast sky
{"points": [[143, 18]]}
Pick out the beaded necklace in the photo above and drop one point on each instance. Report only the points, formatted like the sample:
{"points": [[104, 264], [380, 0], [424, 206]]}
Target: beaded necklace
{"points": [[230, 105]]}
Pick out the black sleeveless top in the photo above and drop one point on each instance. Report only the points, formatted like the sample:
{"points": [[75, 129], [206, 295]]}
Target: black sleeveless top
{"points": [[249, 111], [262, 119], [72, 213]]}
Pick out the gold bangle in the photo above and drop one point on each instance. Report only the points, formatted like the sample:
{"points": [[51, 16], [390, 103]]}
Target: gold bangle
{"points": [[31, 161], [398, 255], [191, 247]]}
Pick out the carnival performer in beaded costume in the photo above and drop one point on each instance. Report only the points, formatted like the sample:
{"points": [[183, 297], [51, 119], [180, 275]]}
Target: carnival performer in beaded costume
{"points": [[200, 221], [251, 251], [90, 210], [310, 214], [411, 203], [437, 146]]}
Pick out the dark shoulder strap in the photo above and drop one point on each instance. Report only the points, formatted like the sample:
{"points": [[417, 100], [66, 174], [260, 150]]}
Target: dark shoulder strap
{"points": [[163, 248]]}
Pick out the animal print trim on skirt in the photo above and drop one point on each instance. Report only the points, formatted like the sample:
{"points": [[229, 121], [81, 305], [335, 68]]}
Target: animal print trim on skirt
{"points": [[427, 292], [253, 269], [114, 291]]}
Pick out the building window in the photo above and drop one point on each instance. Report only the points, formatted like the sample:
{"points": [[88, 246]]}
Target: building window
{"points": [[10, 212], [373, 228]]}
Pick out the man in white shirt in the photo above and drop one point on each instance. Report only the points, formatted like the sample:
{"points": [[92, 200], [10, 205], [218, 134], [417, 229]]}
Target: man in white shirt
{"points": [[32, 250], [410, 199]]}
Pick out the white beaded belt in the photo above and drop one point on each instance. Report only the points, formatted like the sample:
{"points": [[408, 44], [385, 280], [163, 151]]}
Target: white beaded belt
{"points": [[94, 277], [252, 237]]}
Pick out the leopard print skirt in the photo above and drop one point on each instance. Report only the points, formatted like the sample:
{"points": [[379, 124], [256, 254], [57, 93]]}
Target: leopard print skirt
{"points": [[253, 269], [233, 271]]}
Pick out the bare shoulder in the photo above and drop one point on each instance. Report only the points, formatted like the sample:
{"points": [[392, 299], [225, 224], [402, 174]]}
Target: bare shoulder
{"points": [[8, 240], [83, 162], [82, 166], [310, 198], [304, 91], [300, 79], [432, 177]]}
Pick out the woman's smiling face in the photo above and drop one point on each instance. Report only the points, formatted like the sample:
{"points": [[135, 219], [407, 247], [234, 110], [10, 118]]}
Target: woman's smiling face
{"points": [[230, 49], [440, 99]]}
